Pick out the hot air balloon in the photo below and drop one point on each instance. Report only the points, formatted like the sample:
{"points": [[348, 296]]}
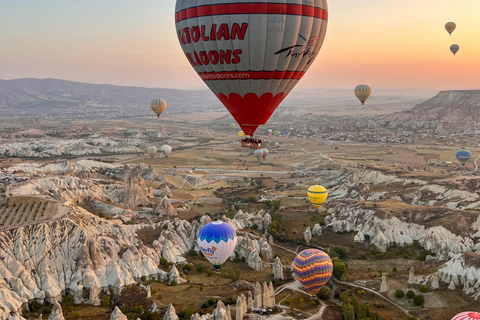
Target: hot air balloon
{"points": [[463, 156], [468, 315], [454, 48], [363, 91], [152, 150], [265, 153], [450, 27], [284, 134], [166, 150], [158, 106], [241, 134], [269, 132], [313, 269], [216, 241], [251, 54], [258, 154], [317, 195], [277, 133], [233, 125]]}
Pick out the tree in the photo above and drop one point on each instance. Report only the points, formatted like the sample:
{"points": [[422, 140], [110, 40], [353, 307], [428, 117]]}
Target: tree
{"points": [[399, 294], [339, 268], [339, 251], [410, 294], [324, 293], [419, 300], [423, 289]]}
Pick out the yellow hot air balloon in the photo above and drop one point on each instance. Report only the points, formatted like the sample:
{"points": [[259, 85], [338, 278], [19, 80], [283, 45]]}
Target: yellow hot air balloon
{"points": [[317, 195], [158, 106], [450, 27], [241, 134], [363, 91]]}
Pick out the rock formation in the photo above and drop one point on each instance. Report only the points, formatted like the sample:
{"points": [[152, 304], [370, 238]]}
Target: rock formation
{"points": [[167, 192], [117, 315], [165, 208], [384, 286], [257, 296], [250, 303], [277, 269], [411, 276], [317, 230], [170, 314], [307, 235], [56, 313], [136, 193], [241, 307]]}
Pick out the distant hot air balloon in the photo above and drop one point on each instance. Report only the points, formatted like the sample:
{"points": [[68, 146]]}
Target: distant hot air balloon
{"points": [[269, 132], [158, 106], [249, 53], [463, 156], [152, 150], [468, 315], [454, 48], [217, 241], [277, 133], [233, 125], [313, 269], [450, 27], [265, 153], [166, 150], [258, 154], [317, 195], [241, 134], [363, 91], [284, 134]]}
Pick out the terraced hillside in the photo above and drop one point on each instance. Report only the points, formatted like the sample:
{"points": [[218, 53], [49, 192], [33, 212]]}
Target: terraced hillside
{"points": [[21, 211]]}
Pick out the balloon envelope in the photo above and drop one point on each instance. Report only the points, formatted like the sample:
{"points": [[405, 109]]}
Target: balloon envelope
{"points": [[158, 106], [249, 53], [265, 153], [363, 91], [468, 315], [258, 154], [217, 241], [313, 269], [454, 48], [450, 27], [277, 133], [151, 150], [166, 150], [241, 134], [317, 195], [269, 132], [463, 156]]}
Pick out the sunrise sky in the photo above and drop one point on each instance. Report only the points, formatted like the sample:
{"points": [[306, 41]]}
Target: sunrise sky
{"points": [[384, 43]]}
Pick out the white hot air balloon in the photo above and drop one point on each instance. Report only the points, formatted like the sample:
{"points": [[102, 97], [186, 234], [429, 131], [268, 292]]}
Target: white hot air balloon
{"points": [[251, 53], [265, 153], [217, 241], [258, 154], [152, 150], [166, 150]]}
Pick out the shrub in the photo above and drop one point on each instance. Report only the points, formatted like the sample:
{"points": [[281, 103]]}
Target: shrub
{"points": [[173, 283], [211, 301], [254, 227], [187, 267], [143, 278], [399, 294], [410, 294], [209, 273], [164, 262], [339, 268], [106, 301], [324, 293], [423, 289], [200, 268], [418, 300], [181, 314], [67, 299]]}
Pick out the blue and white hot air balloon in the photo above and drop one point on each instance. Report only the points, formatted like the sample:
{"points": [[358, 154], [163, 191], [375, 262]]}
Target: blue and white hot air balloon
{"points": [[217, 241], [463, 156]]}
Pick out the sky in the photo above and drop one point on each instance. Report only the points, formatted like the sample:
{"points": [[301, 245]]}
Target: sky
{"points": [[384, 43]]}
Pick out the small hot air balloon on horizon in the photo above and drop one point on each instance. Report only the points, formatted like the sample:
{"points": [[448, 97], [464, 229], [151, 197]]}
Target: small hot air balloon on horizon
{"points": [[362, 92], [158, 106], [450, 27], [151, 150], [463, 156], [276, 133], [241, 134], [313, 269], [251, 54], [467, 315], [258, 154], [269, 132], [166, 150], [454, 48], [216, 241], [317, 195]]}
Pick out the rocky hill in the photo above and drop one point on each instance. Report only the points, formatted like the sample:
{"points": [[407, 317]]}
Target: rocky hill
{"points": [[455, 106]]}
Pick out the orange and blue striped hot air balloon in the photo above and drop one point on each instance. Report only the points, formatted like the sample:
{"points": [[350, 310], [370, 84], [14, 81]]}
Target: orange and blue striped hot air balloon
{"points": [[313, 269]]}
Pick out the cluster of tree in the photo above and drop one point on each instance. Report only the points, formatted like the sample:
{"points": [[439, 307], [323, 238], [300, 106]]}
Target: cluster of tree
{"points": [[352, 309], [339, 254], [272, 205], [274, 228], [417, 300]]}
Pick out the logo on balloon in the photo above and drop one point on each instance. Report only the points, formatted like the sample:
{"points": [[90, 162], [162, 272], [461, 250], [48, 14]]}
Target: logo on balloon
{"points": [[305, 53], [208, 251]]}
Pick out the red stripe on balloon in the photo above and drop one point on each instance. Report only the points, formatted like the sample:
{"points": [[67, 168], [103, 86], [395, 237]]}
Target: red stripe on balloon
{"points": [[252, 75], [251, 8]]}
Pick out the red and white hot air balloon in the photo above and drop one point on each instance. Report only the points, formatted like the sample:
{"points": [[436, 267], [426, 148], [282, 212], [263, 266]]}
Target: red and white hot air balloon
{"points": [[251, 53], [469, 315]]}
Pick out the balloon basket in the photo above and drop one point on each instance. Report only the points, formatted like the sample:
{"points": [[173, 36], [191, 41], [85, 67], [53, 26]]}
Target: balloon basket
{"points": [[252, 143], [314, 297], [217, 271]]}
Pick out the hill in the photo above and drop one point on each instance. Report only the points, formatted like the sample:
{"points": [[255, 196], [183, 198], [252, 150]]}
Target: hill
{"points": [[53, 98], [454, 106]]}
